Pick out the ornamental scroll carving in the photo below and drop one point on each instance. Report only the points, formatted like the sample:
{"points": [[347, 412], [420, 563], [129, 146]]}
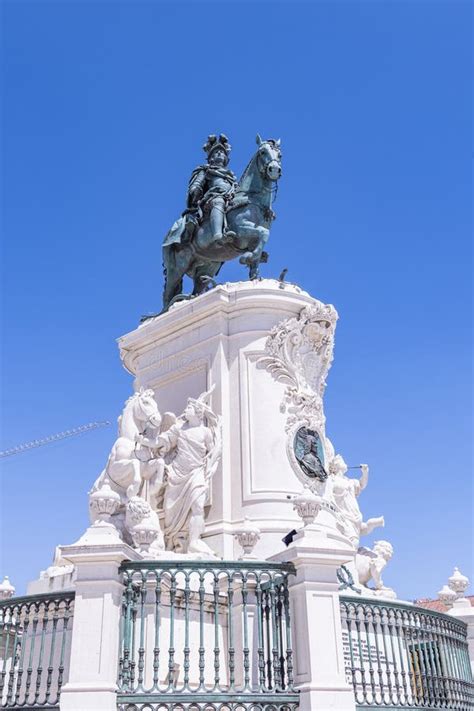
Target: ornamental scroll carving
{"points": [[299, 353]]}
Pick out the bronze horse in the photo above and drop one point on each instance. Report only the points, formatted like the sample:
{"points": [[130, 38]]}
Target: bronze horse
{"points": [[249, 216]]}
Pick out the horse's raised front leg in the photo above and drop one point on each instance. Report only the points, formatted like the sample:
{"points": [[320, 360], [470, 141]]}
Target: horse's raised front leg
{"points": [[254, 258]]}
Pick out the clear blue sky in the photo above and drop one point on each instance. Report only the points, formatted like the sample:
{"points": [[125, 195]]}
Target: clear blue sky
{"points": [[106, 107]]}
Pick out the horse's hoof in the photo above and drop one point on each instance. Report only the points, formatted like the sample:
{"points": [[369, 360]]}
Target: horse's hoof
{"points": [[246, 258]]}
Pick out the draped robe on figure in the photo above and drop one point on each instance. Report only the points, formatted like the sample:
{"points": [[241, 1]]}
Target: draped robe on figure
{"points": [[186, 474], [346, 491]]}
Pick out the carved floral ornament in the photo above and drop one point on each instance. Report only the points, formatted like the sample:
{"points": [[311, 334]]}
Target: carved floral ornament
{"points": [[299, 352]]}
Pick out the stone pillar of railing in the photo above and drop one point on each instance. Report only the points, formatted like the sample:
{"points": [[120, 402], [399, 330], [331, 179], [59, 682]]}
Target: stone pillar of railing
{"points": [[92, 682], [246, 611], [462, 608], [317, 551]]}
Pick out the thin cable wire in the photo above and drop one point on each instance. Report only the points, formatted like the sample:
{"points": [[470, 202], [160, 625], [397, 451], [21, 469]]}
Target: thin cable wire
{"points": [[53, 438]]}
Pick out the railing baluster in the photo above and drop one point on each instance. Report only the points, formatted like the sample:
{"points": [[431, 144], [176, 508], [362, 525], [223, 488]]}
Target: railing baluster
{"points": [[171, 648], [186, 663], [345, 617], [215, 591], [29, 671], [245, 650], [156, 648], [368, 617], [202, 661], [24, 610], [440, 662], [412, 660], [128, 595], [289, 650], [447, 664], [402, 651], [281, 643], [54, 625], [142, 591], [274, 634], [359, 612], [39, 668], [426, 695], [268, 639], [396, 696], [430, 659], [377, 619], [11, 675], [260, 647], [133, 638], [230, 629], [456, 665]]}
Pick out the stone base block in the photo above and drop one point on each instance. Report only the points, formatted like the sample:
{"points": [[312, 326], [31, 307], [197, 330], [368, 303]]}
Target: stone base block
{"points": [[87, 697], [326, 698]]}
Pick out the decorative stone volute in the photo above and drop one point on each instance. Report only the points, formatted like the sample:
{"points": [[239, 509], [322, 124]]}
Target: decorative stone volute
{"points": [[6, 589], [247, 537], [458, 582], [307, 505], [103, 504], [299, 352]]}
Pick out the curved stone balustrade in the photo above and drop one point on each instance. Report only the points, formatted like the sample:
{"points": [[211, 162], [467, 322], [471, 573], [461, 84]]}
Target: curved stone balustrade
{"points": [[35, 635], [401, 656]]}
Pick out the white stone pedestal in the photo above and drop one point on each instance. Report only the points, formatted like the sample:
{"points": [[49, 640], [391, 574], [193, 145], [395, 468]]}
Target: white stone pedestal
{"points": [[217, 339], [92, 683], [317, 552]]}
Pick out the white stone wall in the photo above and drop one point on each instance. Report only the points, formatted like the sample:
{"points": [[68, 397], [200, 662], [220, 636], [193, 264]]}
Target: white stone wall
{"points": [[217, 340]]}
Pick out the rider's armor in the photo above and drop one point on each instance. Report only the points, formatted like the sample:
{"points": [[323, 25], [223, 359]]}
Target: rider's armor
{"points": [[211, 189]]}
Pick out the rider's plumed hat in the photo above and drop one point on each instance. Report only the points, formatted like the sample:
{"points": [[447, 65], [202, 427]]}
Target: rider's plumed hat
{"points": [[214, 142]]}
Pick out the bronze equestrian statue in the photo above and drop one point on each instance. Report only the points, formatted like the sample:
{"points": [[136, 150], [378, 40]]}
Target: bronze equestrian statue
{"points": [[224, 219]]}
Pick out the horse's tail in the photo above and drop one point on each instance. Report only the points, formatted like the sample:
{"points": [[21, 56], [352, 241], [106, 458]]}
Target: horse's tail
{"points": [[96, 485], [173, 273]]}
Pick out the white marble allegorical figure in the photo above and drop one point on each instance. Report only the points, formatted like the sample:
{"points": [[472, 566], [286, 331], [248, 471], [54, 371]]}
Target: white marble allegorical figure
{"points": [[370, 564], [193, 449], [345, 492]]}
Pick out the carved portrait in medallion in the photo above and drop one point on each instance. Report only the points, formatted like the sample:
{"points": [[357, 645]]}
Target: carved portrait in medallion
{"points": [[309, 453]]}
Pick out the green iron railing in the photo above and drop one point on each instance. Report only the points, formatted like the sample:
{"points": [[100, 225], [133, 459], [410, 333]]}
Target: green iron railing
{"points": [[401, 656], [206, 635], [34, 649]]}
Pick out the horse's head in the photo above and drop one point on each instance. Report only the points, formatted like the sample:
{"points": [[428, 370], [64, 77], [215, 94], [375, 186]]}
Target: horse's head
{"points": [[145, 409], [269, 158]]}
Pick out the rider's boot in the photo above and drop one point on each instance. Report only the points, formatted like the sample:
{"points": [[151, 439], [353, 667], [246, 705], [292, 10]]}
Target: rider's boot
{"points": [[217, 225]]}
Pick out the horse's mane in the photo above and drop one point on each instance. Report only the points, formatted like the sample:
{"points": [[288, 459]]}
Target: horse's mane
{"points": [[247, 170], [251, 161], [132, 398]]}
